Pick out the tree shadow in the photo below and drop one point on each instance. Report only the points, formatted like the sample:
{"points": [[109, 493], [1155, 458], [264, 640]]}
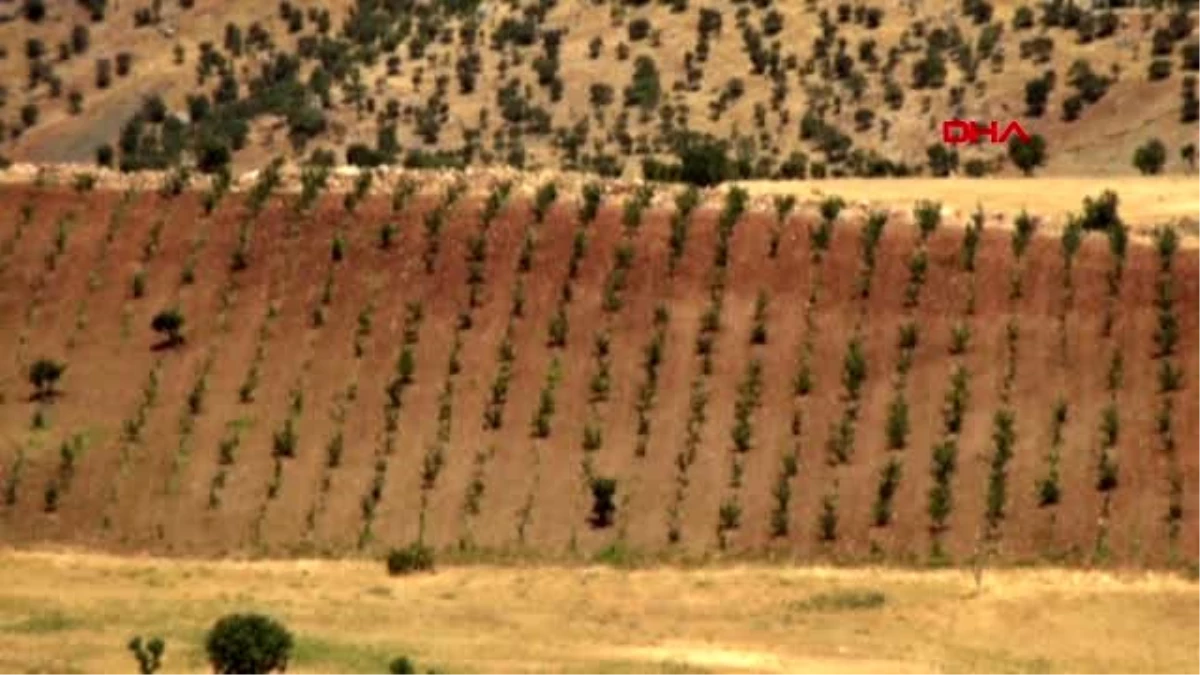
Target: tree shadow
{"points": [[167, 344], [46, 396]]}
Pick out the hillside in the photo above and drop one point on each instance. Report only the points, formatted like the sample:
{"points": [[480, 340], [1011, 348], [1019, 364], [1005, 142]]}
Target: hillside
{"points": [[793, 89], [682, 374]]}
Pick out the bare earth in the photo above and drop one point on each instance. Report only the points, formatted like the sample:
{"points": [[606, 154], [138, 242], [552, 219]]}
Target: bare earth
{"points": [[67, 612], [63, 610]]}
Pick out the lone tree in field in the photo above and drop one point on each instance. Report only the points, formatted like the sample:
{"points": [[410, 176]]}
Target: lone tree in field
{"points": [[248, 643], [1027, 156], [603, 506], [169, 322], [148, 654], [1150, 157], [43, 375]]}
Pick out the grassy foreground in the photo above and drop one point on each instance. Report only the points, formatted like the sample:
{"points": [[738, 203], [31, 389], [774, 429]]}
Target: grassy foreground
{"points": [[69, 612]]}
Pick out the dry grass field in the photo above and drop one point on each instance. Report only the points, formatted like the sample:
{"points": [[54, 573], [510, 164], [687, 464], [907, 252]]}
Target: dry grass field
{"points": [[1145, 201], [74, 612]]}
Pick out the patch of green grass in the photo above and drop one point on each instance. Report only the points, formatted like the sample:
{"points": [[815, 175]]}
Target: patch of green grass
{"points": [[240, 424], [329, 656], [378, 591], [44, 622], [617, 555], [850, 599]]}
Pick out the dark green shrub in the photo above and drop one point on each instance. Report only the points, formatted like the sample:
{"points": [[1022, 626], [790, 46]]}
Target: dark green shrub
{"points": [[1159, 69], [416, 557], [854, 368], [897, 423], [34, 10], [148, 654], [889, 482], [603, 505], [402, 665], [592, 194], [828, 522], [1150, 157], [1101, 213], [285, 440], [44, 374], [927, 214], [170, 323], [1027, 156], [29, 114], [248, 643], [703, 159]]}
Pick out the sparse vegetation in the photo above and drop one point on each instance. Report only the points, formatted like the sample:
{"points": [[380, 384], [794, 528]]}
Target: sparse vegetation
{"points": [[415, 557]]}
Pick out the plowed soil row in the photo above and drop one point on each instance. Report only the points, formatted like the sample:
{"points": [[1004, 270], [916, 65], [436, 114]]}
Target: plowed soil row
{"points": [[159, 497]]}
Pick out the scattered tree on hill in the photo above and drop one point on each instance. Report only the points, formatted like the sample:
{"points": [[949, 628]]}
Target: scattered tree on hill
{"points": [[1037, 91], [34, 10], [942, 160], [248, 643], [703, 160], [1150, 157], [1022, 18], [29, 115], [644, 91], [44, 374], [1027, 156], [103, 73], [81, 39]]}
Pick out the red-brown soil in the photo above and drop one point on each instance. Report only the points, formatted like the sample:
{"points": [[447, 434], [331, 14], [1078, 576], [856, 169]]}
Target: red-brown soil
{"points": [[158, 498]]}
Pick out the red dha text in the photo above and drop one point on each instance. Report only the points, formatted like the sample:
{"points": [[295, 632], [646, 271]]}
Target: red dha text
{"points": [[955, 132]]}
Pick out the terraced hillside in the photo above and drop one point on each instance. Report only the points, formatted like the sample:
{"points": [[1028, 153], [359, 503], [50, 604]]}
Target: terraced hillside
{"points": [[791, 88], [543, 370]]}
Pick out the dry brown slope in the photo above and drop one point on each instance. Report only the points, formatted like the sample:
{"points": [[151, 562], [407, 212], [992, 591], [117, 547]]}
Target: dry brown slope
{"points": [[1101, 141], [538, 480]]}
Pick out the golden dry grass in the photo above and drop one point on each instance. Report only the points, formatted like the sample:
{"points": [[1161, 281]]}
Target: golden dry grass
{"points": [[64, 612], [1144, 202]]}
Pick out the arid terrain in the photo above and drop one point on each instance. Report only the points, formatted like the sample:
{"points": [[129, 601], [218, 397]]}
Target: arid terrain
{"points": [[660, 412], [72, 612], [792, 89], [600, 335], [750, 383]]}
